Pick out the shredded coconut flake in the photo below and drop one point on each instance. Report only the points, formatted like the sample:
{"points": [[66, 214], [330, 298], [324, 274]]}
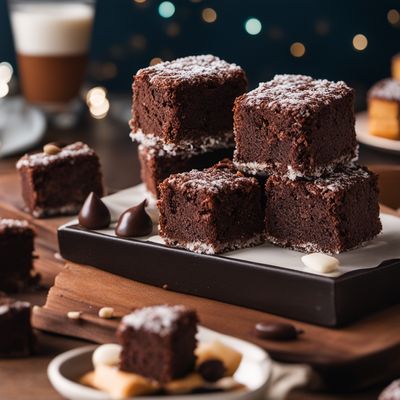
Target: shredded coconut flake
{"points": [[13, 223], [386, 89], [298, 93], [158, 319], [43, 159], [192, 68]]}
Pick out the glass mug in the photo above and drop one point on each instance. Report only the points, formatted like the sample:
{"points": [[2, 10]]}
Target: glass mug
{"points": [[52, 42]]}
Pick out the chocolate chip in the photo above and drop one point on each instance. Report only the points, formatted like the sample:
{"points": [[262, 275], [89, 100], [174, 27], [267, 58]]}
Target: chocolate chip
{"points": [[276, 331], [134, 222], [211, 370], [94, 214]]}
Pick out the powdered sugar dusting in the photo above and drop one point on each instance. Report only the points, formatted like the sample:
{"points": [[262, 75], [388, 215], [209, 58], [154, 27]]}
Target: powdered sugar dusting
{"points": [[157, 319], [392, 392], [43, 159], [192, 68], [298, 93], [386, 89], [13, 223], [157, 147], [213, 180]]}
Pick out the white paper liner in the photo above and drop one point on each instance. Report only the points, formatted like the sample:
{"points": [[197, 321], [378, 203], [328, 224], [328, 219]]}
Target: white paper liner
{"points": [[384, 247]]}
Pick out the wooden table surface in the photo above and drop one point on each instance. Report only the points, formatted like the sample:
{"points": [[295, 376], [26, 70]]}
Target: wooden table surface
{"points": [[22, 379]]}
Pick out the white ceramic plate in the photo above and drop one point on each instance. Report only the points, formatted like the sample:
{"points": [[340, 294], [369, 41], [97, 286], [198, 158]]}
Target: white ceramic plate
{"points": [[22, 126], [363, 136], [254, 372]]}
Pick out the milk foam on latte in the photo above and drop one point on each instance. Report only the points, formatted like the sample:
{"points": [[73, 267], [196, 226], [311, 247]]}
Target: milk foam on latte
{"points": [[52, 41], [52, 28]]}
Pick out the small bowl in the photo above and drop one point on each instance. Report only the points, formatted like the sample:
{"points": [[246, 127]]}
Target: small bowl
{"points": [[254, 372]]}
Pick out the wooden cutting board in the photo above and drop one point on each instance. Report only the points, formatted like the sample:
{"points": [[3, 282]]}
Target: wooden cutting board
{"points": [[347, 357]]}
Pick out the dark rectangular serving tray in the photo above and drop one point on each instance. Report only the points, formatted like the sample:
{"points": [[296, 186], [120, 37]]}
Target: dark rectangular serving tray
{"points": [[307, 297]]}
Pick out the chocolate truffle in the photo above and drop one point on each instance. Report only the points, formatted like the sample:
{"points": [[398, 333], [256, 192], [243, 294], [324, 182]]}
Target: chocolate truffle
{"points": [[94, 213], [134, 222]]}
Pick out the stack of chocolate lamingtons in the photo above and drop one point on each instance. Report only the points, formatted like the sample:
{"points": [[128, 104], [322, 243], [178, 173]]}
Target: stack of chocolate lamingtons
{"points": [[294, 180], [182, 115]]}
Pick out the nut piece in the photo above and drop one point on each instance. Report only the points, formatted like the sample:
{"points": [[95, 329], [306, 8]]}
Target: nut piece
{"points": [[106, 312], [74, 314], [51, 149], [320, 262], [106, 354]]}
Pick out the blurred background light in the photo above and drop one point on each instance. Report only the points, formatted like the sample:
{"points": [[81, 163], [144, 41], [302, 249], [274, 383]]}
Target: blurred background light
{"points": [[155, 61], [6, 72], [166, 9], [297, 49], [360, 42], [209, 15], [393, 17], [253, 26]]}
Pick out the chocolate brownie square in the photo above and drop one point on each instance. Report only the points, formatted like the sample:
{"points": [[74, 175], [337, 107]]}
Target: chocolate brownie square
{"points": [[186, 99], [384, 109], [158, 342], [16, 335], [294, 125], [330, 214], [156, 164], [58, 183], [211, 211], [16, 248]]}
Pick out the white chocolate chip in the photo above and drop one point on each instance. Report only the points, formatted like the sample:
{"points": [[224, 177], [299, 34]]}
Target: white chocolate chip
{"points": [[107, 354], [74, 314], [51, 149], [106, 312], [320, 262]]}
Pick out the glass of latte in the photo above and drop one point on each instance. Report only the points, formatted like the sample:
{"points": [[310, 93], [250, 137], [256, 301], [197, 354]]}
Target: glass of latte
{"points": [[52, 41]]}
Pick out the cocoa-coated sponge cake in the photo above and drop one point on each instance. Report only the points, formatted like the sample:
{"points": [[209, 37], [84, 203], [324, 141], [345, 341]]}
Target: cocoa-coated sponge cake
{"points": [[294, 125], [330, 214], [186, 100], [211, 211], [159, 342]]}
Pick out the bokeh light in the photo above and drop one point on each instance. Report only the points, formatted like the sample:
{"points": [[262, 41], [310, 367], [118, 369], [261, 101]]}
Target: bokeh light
{"points": [[166, 9], [253, 26], [4, 89], [173, 29], [393, 17], [297, 49], [96, 100], [209, 15], [6, 72], [140, 1], [360, 42], [155, 61]]}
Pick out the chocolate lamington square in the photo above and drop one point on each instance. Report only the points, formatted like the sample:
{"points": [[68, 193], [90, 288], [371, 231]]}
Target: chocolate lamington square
{"points": [[16, 255], [158, 342], [296, 126], [156, 164], [211, 211], [58, 183], [186, 99], [16, 335], [384, 109], [330, 214]]}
